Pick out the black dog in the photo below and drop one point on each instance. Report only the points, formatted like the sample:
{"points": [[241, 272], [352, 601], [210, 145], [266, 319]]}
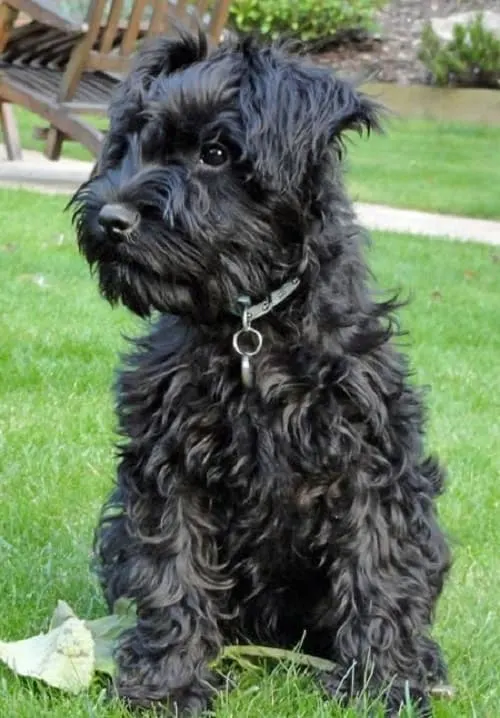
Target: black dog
{"points": [[273, 485]]}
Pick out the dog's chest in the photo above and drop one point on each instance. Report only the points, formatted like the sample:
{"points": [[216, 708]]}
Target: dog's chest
{"points": [[267, 464]]}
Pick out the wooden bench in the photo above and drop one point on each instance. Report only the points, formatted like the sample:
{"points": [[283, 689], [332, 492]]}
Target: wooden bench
{"points": [[62, 70]]}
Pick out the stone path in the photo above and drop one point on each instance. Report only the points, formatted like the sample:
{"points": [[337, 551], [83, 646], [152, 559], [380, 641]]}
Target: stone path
{"points": [[390, 219], [35, 172]]}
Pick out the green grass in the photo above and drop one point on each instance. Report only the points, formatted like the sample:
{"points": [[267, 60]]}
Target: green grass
{"points": [[448, 168], [59, 346]]}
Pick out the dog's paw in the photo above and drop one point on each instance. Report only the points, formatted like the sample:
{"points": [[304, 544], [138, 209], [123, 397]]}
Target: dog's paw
{"points": [[152, 689], [178, 704], [339, 685], [189, 704], [398, 698], [435, 665], [343, 687]]}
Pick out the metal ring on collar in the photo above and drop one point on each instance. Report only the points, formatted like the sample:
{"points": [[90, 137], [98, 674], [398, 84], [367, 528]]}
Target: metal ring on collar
{"points": [[257, 339]]}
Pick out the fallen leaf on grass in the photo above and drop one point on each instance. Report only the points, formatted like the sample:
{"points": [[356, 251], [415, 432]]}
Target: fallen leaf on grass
{"points": [[73, 650], [9, 247], [105, 632], [62, 612], [436, 296], [63, 657], [236, 653]]}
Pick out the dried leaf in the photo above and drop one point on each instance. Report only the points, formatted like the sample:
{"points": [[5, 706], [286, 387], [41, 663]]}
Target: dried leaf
{"points": [[62, 612], [470, 274], [277, 654], [63, 657], [105, 632]]}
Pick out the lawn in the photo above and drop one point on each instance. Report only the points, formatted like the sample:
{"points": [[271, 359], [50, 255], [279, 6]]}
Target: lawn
{"points": [[59, 346], [450, 168]]}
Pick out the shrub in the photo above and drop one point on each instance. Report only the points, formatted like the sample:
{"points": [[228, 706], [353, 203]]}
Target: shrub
{"points": [[306, 20], [470, 59]]}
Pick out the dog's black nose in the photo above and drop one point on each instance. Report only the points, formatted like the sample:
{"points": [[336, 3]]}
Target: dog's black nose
{"points": [[117, 219]]}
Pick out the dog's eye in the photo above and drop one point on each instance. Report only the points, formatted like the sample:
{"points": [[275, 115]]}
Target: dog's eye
{"points": [[213, 154]]}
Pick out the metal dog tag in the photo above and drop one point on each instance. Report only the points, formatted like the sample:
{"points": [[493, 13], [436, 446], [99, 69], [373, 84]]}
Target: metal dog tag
{"points": [[246, 371]]}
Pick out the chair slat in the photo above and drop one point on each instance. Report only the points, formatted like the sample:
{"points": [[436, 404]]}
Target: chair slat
{"points": [[86, 108], [95, 20], [218, 19], [201, 9], [157, 19], [181, 13], [7, 18], [131, 34], [110, 31], [60, 70], [34, 50], [17, 49], [113, 64], [10, 132]]}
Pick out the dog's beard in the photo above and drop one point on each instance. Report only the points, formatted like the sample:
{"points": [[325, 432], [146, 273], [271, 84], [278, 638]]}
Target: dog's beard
{"points": [[143, 276], [155, 266], [188, 255], [142, 291]]}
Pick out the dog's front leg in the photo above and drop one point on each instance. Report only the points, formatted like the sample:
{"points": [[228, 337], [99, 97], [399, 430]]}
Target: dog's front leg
{"points": [[382, 601], [174, 581], [376, 655]]}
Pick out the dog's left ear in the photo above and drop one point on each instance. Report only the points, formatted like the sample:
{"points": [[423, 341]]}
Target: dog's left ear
{"points": [[332, 107], [342, 107], [294, 112]]}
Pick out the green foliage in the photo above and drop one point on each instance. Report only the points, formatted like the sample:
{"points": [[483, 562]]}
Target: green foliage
{"points": [[307, 20], [470, 59]]}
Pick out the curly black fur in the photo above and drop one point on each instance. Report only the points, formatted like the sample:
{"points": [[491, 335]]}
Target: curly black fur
{"points": [[302, 509]]}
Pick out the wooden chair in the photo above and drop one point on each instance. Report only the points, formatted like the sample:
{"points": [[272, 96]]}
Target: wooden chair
{"points": [[62, 70]]}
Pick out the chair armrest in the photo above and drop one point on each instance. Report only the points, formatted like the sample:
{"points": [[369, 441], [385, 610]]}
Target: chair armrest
{"points": [[46, 12]]}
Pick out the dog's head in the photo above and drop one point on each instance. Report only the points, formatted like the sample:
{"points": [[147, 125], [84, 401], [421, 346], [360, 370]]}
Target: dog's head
{"points": [[211, 174]]}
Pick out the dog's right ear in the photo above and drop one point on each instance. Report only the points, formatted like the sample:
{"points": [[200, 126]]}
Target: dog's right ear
{"points": [[156, 59], [165, 55]]}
